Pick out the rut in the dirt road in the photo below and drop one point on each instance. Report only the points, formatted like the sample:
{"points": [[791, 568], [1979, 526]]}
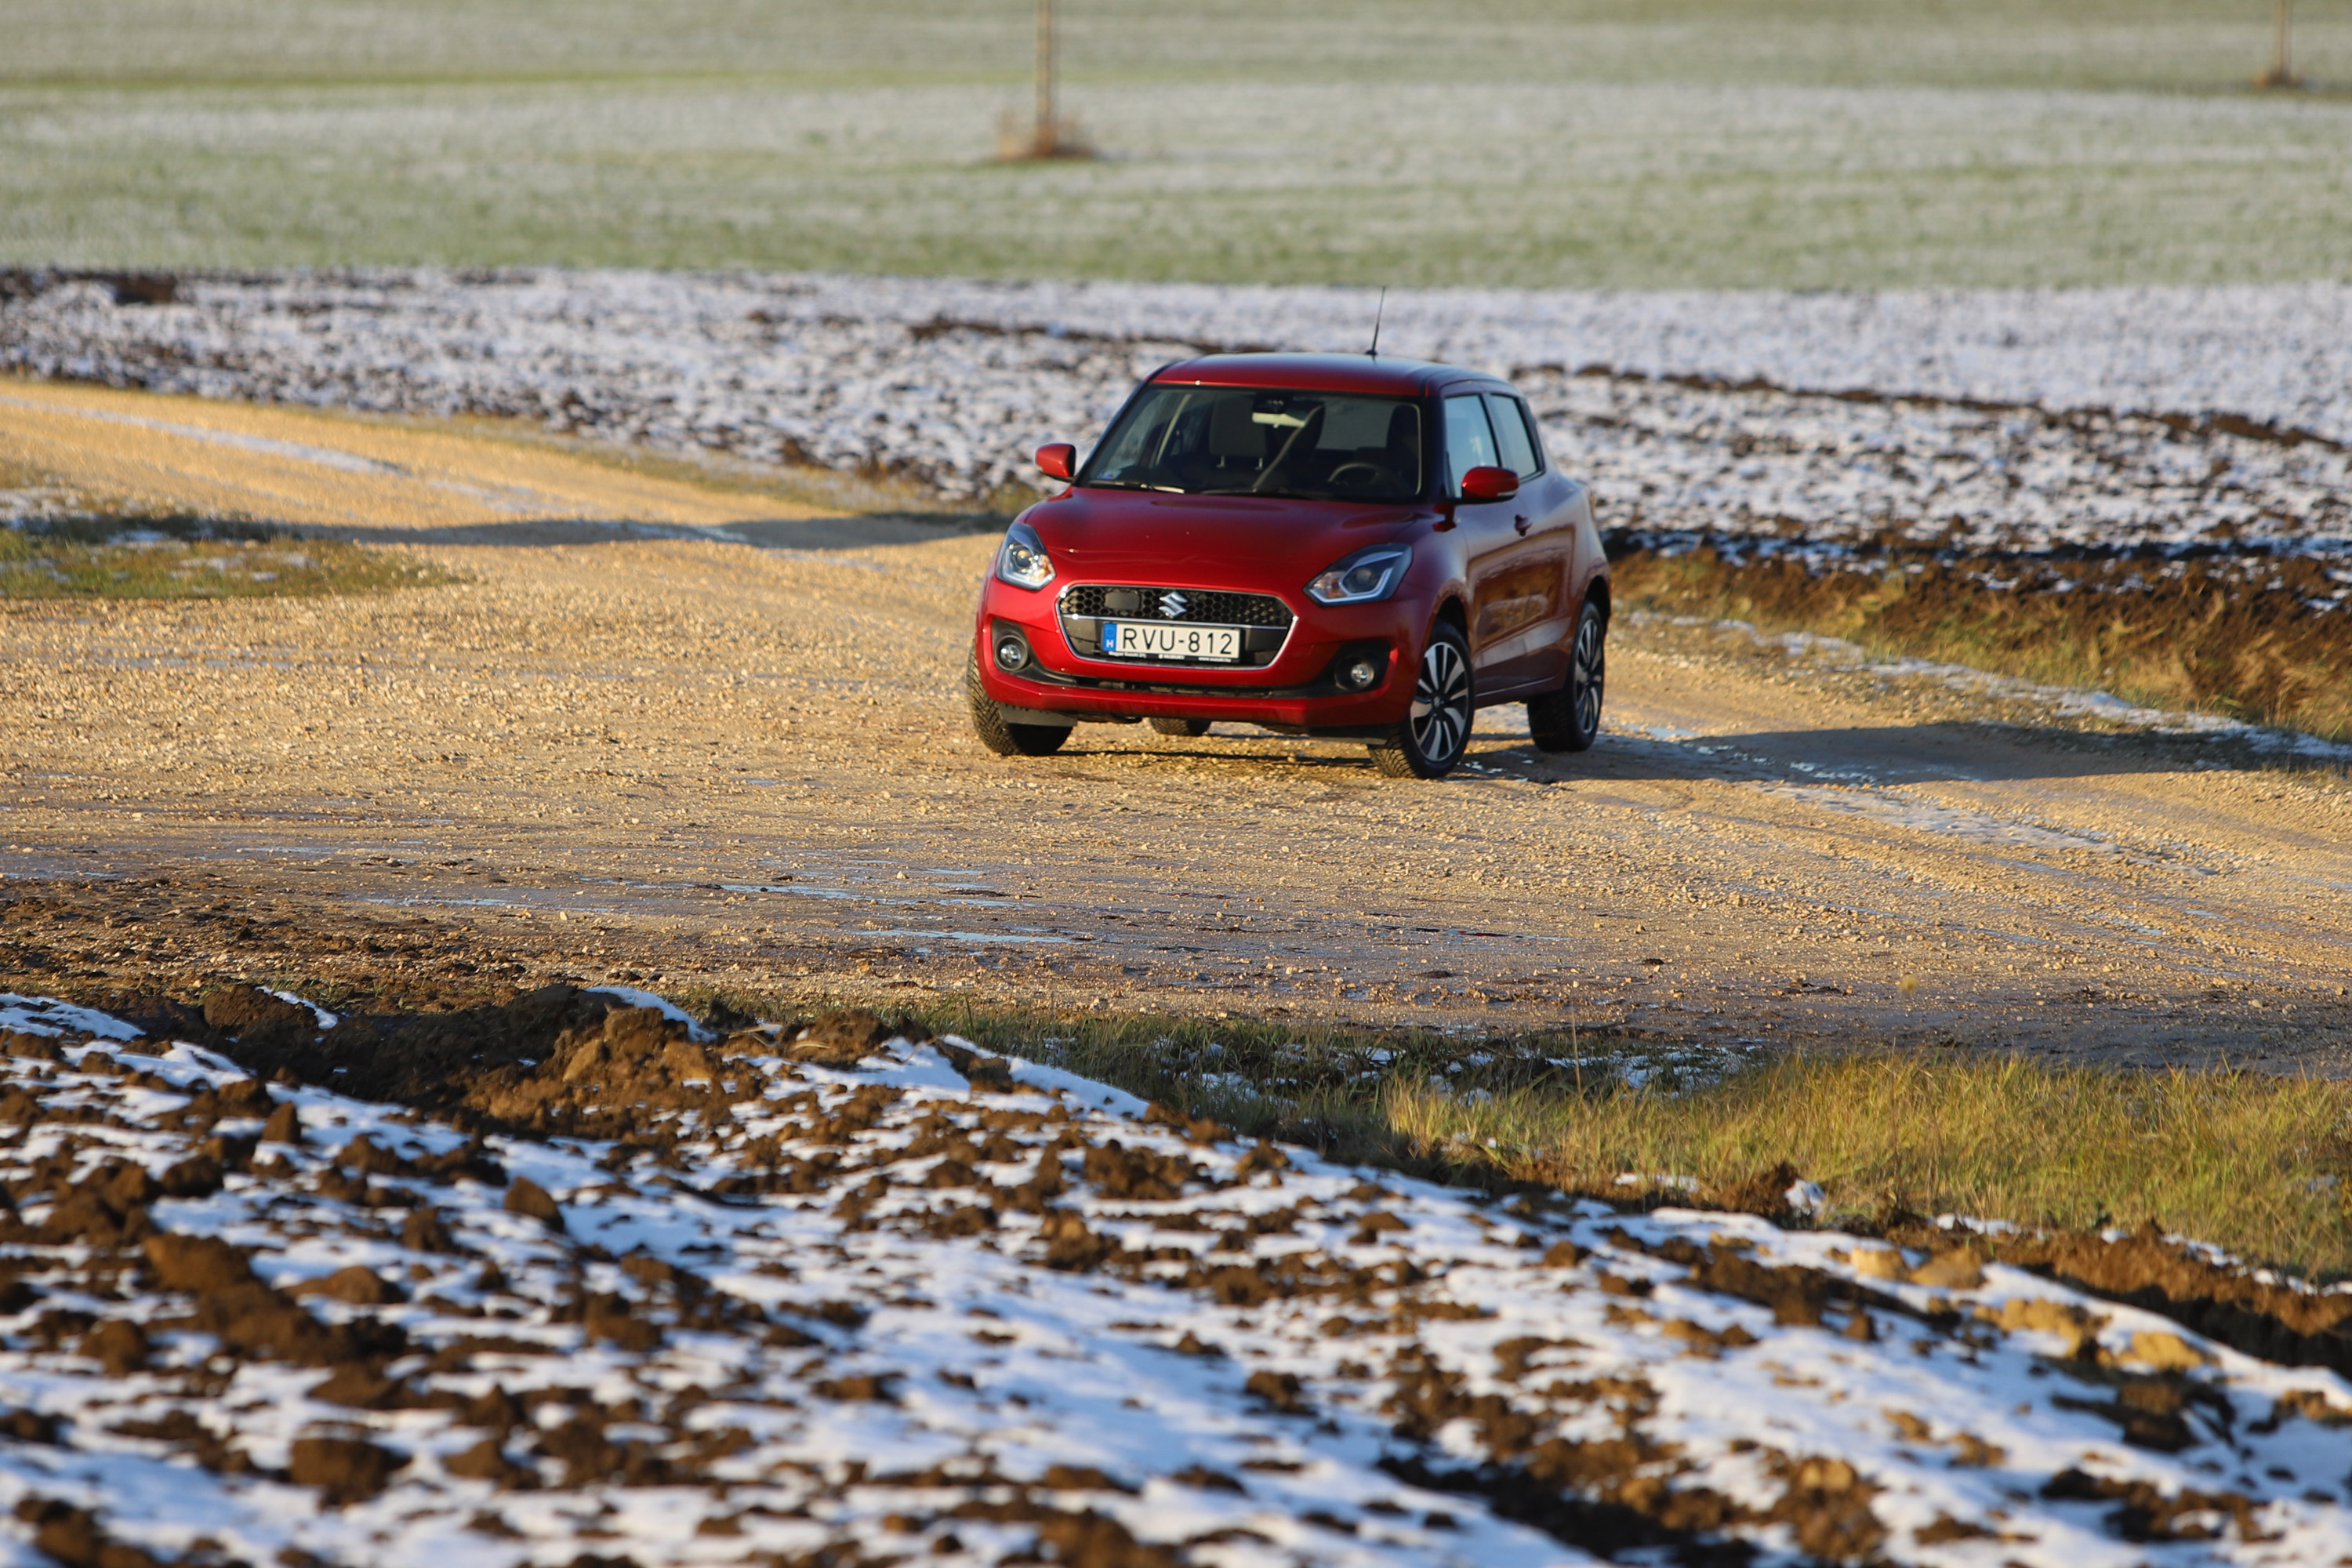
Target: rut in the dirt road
{"points": [[823, 1292]]}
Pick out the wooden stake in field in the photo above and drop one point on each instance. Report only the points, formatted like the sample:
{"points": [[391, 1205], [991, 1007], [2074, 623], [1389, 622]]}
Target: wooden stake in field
{"points": [[1048, 135], [2281, 71], [1044, 141]]}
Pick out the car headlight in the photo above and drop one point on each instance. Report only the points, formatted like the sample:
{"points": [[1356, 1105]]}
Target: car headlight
{"points": [[1022, 560], [1366, 575]]}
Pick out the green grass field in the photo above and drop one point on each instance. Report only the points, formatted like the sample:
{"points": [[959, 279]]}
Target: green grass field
{"points": [[1699, 143]]}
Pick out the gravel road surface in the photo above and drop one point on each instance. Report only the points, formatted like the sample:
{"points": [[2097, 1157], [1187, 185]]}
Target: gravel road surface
{"points": [[675, 733]]}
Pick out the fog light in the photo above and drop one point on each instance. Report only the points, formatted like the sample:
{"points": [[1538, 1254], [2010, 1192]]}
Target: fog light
{"points": [[1362, 674], [1012, 653]]}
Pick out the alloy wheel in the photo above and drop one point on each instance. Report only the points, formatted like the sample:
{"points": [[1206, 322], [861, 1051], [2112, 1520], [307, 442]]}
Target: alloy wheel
{"points": [[1588, 667], [1440, 715]]}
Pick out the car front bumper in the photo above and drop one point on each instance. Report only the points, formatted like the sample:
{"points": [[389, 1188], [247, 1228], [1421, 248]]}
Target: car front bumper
{"points": [[1298, 687]]}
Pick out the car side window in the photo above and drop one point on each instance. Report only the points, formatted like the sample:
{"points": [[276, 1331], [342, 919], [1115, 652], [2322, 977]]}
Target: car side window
{"points": [[1513, 435], [1469, 439]]}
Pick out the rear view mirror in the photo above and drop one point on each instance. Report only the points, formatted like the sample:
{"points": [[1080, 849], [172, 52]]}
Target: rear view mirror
{"points": [[1487, 483], [1060, 460]]}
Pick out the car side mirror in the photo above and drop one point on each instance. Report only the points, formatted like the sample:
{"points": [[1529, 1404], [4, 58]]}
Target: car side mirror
{"points": [[1060, 460], [1489, 483]]}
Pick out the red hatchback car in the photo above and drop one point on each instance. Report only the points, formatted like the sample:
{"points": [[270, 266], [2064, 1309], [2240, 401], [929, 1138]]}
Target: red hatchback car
{"points": [[1317, 544]]}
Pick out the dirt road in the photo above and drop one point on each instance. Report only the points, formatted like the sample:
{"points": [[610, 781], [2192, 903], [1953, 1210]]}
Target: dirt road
{"points": [[678, 733]]}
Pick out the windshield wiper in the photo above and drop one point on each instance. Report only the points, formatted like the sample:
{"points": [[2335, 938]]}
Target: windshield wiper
{"points": [[1131, 485], [1275, 494]]}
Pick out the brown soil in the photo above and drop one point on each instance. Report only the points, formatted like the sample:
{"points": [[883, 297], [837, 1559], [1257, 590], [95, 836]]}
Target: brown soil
{"points": [[2274, 1322], [74, 1537], [344, 1469]]}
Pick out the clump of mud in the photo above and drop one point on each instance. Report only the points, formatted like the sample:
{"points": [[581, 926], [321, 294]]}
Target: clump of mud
{"points": [[424, 1059], [2232, 1303]]}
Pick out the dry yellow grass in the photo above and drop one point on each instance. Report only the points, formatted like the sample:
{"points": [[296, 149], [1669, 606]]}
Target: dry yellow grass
{"points": [[2246, 1160]]}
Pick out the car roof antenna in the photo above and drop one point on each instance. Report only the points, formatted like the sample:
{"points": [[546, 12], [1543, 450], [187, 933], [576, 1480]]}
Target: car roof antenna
{"points": [[1377, 311]]}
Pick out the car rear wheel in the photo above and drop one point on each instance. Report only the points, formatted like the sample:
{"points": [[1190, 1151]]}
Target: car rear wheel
{"points": [[1191, 728], [1568, 720], [1001, 736], [1435, 732]]}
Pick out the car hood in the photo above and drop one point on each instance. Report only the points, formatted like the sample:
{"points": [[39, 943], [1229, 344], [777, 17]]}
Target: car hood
{"points": [[1228, 542]]}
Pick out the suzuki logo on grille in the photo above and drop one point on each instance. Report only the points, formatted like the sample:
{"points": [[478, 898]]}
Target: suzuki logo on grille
{"points": [[1173, 605]]}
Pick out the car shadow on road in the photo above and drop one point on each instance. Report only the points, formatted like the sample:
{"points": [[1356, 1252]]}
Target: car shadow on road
{"points": [[1307, 754], [1877, 755], [1891, 754]]}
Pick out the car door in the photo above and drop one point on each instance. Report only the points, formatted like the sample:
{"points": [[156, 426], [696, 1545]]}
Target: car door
{"points": [[1543, 515], [1506, 595]]}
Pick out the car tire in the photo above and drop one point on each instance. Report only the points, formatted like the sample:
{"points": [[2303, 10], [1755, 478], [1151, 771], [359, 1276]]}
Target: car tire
{"points": [[1568, 720], [1001, 736], [1429, 740], [1190, 728]]}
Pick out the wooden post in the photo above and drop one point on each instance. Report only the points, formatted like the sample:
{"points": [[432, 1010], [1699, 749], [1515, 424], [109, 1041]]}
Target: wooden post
{"points": [[1044, 143], [2281, 71]]}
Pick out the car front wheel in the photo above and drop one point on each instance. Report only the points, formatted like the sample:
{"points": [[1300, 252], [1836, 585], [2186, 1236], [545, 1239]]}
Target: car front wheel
{"points": [[1435, 730], [999, 735], [1568, 720]]}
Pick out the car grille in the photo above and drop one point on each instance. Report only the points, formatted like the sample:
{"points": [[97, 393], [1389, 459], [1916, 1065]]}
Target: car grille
{"points": [[1202, 607]]}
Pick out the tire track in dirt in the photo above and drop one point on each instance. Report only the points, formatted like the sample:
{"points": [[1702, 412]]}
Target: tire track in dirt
{"points": [[679, 733]]}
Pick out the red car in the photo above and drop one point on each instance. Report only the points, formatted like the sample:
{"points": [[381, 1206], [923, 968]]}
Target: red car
{"points": [[1318, 545]]}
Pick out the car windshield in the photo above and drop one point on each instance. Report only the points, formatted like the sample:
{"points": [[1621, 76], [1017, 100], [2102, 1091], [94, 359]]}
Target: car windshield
{"points": [[1254, 440]]}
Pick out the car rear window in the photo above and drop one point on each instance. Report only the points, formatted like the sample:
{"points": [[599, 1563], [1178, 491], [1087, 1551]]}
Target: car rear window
{"points": [[1512, 435], [1469, 439]]}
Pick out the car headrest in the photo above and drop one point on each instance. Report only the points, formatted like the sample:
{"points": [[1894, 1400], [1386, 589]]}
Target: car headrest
{"points": [[1231, 432]]}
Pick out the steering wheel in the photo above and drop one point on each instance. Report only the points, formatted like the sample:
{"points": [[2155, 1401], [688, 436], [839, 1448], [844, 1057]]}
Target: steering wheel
{"points": [[1373, 473]]}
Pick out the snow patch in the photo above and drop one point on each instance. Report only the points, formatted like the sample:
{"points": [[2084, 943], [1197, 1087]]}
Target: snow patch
{"points": [[47, 1016]]}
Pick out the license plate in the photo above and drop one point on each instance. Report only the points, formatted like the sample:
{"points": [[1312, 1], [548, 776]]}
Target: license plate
{"points": [[1148, 639]]}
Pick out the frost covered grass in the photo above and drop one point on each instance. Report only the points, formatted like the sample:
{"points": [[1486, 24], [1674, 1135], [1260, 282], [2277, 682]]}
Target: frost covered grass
{"points": [[2259, 639], [2254, 1163], [2168, 45], [2104, 417], [1708, 143]]}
